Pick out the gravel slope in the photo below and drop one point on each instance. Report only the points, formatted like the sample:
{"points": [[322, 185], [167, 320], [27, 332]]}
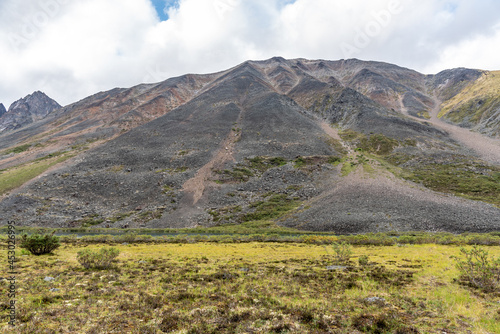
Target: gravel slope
{"points": [[378, 201]]}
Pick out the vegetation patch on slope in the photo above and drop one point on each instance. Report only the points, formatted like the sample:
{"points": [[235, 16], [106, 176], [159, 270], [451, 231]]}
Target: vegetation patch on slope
{"points": [[304, 162], [273, 207], [242, 172], [375, 143], [17, 149], [480, 100], [257, 166], [456, 175], [17, 176], [270, 206], [351, 162]]}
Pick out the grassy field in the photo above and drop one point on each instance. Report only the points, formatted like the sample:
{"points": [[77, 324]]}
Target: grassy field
{"points": [[249, 288]]}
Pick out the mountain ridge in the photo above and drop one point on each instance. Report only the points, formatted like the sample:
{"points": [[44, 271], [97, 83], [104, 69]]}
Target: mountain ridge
{"points": [[277, 139]]}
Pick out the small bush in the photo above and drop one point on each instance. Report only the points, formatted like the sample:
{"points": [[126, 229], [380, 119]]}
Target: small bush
{"points": [[342, 252], [478, 270], [127, 237], [38, 244], [363, 260], [97, 260]]}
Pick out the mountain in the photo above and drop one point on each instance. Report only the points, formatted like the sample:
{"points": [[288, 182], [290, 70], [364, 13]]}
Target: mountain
{"points": [[346, 146], [2, 110], [27, 110]]}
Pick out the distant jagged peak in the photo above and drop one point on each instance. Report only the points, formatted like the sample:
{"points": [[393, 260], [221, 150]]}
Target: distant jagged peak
{"points": [[2, 109], [36, 98], [29, 109]]}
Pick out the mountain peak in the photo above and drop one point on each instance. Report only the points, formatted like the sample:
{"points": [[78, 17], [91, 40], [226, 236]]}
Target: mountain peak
{"points": [[2, 109], [29, 109]]}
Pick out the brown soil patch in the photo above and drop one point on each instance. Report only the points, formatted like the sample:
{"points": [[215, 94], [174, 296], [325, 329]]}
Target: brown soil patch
{"points": [[197, 184]]}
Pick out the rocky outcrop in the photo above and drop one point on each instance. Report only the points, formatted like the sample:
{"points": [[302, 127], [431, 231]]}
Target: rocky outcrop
{"points": [[27, 110], [2, 110]]}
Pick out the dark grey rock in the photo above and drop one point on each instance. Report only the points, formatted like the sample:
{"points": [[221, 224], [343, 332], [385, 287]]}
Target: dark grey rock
{"points": [[29, 109], [2, 110]]}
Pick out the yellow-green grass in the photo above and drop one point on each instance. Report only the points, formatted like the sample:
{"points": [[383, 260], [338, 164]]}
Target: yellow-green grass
{"points": [[17, 176], [351, 162], [251, 287], [347, 167], [17, 149], [487, 88], [424, 114]]}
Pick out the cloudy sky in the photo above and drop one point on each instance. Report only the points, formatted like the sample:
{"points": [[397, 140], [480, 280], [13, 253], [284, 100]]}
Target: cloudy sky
{"points": [[70, 49]]}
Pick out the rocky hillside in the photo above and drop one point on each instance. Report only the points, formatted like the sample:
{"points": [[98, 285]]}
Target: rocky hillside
{"points": [[477, 106], [345, 146], [27, 110]]}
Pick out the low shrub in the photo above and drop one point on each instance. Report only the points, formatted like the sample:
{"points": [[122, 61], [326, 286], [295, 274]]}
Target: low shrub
{"points": [[342, 252], [127, 237], [478, 270], [38, 244], [102, 259], [363, 260]]}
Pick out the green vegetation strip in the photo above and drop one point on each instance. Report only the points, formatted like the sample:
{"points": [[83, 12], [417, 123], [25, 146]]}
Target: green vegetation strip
{"points": [[258, 231], [17, 176], [17, 149]]}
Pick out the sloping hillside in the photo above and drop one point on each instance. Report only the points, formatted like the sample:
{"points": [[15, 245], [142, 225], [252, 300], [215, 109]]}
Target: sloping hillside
{"points": [[477, 106], [345, 146]]}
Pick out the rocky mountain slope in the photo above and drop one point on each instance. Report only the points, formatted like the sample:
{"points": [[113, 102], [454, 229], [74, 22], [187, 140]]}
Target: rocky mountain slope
{"points": [[477, 106], [345, 146], [27, 110]]}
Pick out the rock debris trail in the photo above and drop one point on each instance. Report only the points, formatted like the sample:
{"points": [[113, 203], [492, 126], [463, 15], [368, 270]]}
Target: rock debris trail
{"points": [[330, 131], [333, 133], [197, 184], [486, 148]]}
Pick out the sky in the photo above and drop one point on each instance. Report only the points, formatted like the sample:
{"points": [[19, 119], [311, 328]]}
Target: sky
{"points": [[71, 49]]}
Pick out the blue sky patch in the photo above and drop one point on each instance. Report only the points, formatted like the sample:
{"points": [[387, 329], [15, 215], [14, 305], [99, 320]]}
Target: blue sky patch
{"points": [[162, 7]]}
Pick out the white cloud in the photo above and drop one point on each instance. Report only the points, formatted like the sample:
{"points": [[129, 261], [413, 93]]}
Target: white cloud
{"points": [[71, 49], [480, 51]]}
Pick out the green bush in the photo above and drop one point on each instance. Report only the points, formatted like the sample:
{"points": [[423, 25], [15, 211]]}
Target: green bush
{"points": [[38, 244], [129, 237], [342, 252], [363, 260], [97, 260], [478, 270]]}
